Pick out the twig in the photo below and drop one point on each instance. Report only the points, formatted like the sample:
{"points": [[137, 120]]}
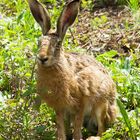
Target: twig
{"points": [[72, 36], [33, 69]]}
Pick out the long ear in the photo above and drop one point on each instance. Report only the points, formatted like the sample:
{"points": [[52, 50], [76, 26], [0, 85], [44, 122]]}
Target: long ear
{"points": [[67, 17], [41, 15]]}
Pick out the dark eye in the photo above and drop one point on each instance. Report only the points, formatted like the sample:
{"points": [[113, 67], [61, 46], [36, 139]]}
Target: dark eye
{"points": [[59, 43]]}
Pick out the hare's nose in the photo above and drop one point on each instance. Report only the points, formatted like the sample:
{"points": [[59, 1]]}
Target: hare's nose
{"points": [[43, 59]]}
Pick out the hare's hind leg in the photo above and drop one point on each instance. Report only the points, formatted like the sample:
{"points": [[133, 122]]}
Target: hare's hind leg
{"points": [[100, 113]]}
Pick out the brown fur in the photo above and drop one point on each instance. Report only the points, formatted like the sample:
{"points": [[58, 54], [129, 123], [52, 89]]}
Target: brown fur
{"points": [[71, 83], [78, 83]]}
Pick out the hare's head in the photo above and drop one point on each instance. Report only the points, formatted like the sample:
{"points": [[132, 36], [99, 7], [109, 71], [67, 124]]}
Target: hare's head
{"points": [[50, 43]]}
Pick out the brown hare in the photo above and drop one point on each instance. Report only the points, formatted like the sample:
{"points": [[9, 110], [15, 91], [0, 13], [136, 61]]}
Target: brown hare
{"points": [[71, 83]]}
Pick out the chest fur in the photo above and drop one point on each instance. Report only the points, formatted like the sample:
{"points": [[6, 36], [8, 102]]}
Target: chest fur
{"points": [[58, 89]]}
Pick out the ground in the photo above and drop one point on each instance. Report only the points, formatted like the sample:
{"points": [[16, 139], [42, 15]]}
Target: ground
{"points": [[112, 28]]}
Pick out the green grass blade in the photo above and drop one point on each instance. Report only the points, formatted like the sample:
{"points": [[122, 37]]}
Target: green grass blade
{"points": [[126, 118]]}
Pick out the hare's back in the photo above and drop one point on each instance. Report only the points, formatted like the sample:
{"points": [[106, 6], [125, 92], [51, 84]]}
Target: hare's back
{"points": [[79, 62], [92, 76]]}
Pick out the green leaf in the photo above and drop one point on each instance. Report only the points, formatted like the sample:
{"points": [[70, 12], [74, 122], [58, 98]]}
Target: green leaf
{"points": [[20, 17], [125, 117], [109, 54]]}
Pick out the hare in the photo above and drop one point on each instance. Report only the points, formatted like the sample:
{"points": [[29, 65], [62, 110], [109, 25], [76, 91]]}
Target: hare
{"points": [[71, 83]]}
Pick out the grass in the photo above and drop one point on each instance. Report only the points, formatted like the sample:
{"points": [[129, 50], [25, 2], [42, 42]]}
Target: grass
{"points": [[134, 5], [19, 116]]}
